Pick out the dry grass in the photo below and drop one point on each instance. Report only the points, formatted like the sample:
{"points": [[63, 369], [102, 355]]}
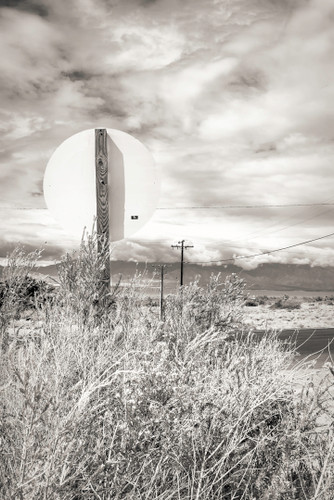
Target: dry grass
{"points": [[103, 401]]}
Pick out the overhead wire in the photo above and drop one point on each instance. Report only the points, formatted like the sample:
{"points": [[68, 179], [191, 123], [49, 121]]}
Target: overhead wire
{"points": [[22, 208], [239, 257], [204, 207], [301, 221], [231, 241], [264, 232], [280, 205]]}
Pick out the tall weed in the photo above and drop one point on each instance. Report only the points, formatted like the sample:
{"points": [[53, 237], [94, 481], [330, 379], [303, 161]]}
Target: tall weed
{"points": [[15, 280], [129, 407]]}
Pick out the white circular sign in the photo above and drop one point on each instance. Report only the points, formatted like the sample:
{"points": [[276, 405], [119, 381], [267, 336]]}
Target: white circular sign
{"points": [[70, 184]]}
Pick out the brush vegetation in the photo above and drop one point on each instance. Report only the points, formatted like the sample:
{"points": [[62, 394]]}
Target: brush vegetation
{"points": [[101, 400]]}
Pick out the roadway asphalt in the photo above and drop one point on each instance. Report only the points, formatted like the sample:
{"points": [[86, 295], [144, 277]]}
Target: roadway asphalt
{"points": [[312, 343]]}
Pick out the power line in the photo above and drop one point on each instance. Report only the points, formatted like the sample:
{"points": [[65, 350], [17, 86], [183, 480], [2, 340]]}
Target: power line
{"points": [[239, 257], [265, 232], [23, 208], [259, 231], [323, 212], [281, 205], [206, 207]]}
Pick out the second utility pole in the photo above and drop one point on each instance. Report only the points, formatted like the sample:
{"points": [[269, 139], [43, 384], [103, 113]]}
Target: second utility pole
{"points": [[183, 247], [162, 270]]}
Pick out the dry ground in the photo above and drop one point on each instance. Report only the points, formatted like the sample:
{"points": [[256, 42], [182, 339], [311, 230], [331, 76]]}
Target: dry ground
{"points": [[312, 314]]}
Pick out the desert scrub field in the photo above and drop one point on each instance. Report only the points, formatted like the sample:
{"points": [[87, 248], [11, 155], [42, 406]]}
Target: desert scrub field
{"points": [[289, 312], [101, 400]]}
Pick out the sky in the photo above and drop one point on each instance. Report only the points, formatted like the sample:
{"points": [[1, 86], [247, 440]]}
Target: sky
{"points": [[233, 98]]}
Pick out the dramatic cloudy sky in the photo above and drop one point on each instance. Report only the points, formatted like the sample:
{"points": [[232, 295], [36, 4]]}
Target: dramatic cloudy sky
{"points": [[234, 98]]}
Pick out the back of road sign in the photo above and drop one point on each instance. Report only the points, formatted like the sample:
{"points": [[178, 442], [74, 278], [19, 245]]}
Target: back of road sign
{"points": [[70, 184]]}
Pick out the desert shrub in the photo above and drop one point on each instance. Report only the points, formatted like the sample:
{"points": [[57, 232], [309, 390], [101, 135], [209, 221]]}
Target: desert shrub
{"points": [[26, 291], [329, 300], [251, 302], [150, 302], [256, 301], [285, 303], [80, 276], [29, 292], [18, 290], [194, 309], [194, 408]]}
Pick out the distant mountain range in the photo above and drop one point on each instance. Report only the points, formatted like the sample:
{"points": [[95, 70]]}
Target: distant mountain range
{"points": [[280, 277]]}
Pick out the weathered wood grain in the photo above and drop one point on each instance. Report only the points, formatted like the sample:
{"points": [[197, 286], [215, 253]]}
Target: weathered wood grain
{"points": [[102, 204]]}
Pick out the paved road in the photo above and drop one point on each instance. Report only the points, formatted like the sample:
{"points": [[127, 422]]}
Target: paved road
{"points": [[312, 343]]}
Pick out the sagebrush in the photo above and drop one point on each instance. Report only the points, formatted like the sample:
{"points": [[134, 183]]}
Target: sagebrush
{"points": [[109, 402]]}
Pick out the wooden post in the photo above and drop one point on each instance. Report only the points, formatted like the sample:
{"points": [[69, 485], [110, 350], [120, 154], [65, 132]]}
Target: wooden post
{"points": [[102, 205]]}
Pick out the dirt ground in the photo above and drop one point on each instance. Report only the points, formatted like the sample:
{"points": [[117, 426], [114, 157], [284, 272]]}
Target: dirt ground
{"points": [[280, 314]]}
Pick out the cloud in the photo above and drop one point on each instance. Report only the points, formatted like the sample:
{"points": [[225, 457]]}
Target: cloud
{"points": [[232, 98], [32, 6], [139, 48], [29, 46]]}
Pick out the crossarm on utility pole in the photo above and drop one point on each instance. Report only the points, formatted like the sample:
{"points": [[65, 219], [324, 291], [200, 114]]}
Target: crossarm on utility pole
{"points": [[183, 247]]}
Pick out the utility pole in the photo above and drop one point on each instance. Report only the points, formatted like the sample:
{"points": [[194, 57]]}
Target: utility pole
{"points": [[162, 272], [183, 248], [162, 268]]}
